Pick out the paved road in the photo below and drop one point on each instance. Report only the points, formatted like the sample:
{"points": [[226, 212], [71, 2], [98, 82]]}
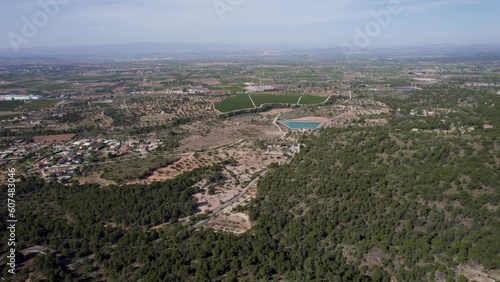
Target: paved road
{"points": [[232, 201]]}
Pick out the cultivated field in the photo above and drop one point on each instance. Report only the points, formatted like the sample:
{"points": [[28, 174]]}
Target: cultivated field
{"points": [[29, 105], [311, 99], [238, 102], [260, 99], [244, 101], [10, 105]]}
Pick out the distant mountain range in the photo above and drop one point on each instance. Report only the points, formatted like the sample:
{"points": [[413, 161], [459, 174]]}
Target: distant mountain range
{"points": [[163, 50], [439, 50]]}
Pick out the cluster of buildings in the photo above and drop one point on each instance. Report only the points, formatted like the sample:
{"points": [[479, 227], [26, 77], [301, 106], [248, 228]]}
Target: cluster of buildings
{"points": [[191, 90], [429, 113], [60, 161], [250, 87], [17, 151], [420, 71], [479, 84]]}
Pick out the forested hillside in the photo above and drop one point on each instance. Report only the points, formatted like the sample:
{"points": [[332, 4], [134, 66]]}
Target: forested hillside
{"points": [[354, 205], [415, 205]]}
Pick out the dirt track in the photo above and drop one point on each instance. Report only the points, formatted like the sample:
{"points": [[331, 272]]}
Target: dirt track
{"points": [[232, 201]]}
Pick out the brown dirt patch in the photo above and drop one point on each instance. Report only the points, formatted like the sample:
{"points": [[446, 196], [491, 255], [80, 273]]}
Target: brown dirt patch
{"points": [[321, 119], [53, 138], [275, 112], [9, 113], [96, 179], [219, 137], [209, 81], [477, 273], [235, 223], [380, 121]]}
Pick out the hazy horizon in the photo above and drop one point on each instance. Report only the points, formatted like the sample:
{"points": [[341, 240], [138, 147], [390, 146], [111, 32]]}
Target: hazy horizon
{"points": [[320, 23]]}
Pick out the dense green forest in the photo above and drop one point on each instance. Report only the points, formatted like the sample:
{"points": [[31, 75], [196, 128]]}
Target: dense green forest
{"points": [[422, 202]]}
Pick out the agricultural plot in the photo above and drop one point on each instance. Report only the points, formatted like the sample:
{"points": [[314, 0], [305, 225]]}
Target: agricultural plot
{"points": [[241, 102], [238, 102], [52, 87], [30, 105], [311, 99], [7, 106], [260, 99], [39, 104]]}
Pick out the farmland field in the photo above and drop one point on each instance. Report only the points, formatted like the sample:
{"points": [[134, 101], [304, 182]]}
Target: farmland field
{"points": [[242, 101], [52, 87], [260, 99], [7, 106], [39, 104], [30, 105], [311, 99], [238, 102]]}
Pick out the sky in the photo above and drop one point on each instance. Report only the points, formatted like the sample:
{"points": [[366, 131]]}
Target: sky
{"points": [[33, 23]]}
